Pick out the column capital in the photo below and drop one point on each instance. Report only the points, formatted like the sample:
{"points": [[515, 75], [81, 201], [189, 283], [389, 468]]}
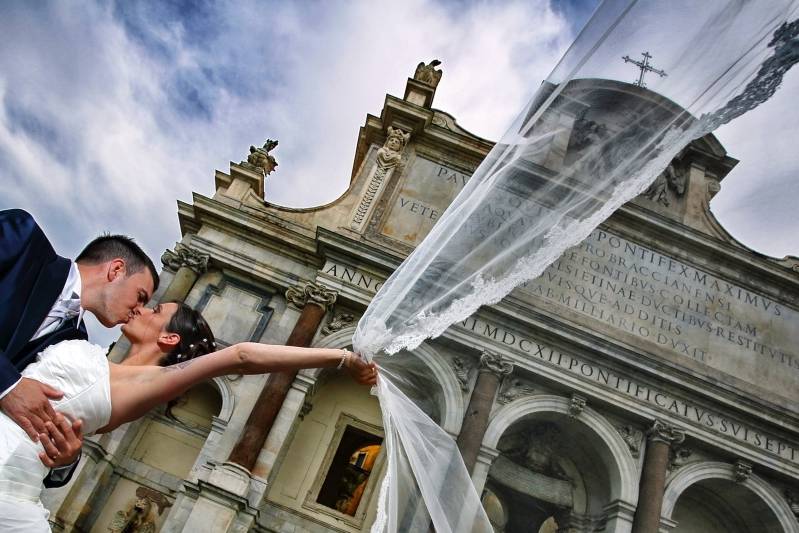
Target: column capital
{"points": [[664, 432], [495, 363], [308, 292], [183, 256]]}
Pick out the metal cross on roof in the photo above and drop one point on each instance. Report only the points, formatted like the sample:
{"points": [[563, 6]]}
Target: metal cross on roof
{"points": [[645, 67]]}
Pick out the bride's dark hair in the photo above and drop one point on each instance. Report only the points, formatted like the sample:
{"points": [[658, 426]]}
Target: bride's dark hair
{"points": [[196, 337]]}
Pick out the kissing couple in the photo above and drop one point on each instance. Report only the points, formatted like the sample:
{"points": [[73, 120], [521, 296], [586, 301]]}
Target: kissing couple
{"points": [[55, 386]]}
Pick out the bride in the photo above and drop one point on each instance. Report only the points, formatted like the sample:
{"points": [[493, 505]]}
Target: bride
{"points": [[167, 356]]}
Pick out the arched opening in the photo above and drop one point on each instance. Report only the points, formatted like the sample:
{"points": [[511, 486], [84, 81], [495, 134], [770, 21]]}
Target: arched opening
{"points": [[549, 469], [709, 498], [555, 471]]}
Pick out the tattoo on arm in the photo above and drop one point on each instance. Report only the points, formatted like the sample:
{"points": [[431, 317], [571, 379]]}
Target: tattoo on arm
{"points": [[178, 366]]}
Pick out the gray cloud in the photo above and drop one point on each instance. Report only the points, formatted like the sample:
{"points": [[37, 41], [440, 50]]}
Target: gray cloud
{"points": [[110, 112]]}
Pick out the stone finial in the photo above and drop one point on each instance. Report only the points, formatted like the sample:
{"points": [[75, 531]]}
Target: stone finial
{"points": [[664, 432], [577, 405], [634, 437], [462, 369], [495, 363], [183, 256], [338, 322], [742, 471], [427, 73], [391, 152], [309, 292], [260, 159]]}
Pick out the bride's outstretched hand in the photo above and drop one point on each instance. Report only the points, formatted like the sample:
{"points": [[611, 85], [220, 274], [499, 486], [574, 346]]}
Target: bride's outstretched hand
{"points": [[361, 371]]}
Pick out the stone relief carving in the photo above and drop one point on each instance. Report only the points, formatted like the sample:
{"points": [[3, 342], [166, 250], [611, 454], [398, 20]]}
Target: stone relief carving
{"points": [[792, 497], [535, 448], [305, 409], [585, 133], [514, 388], [678, 457], [390, 153], [664, 432], [674, 178], [337, 323], [462, 369], [577, 405], [138, 517], [388, 157], [634, 438], [185, 256], [495, 363], [427, 73], [310, 292], [260, 159], [742, 471]]}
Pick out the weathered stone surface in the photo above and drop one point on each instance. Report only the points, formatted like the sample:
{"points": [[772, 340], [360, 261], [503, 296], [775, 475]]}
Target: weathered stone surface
{"points": [[632, 291]]}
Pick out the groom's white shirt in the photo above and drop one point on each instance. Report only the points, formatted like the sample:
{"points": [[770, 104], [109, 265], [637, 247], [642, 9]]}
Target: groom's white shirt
{"points": [[66, 306]]}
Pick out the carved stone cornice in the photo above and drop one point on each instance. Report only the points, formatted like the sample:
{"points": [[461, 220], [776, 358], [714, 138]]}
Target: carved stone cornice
{"points": [[308, 292], [742, 471], [664, 432], [495, 363], [183, 256]]}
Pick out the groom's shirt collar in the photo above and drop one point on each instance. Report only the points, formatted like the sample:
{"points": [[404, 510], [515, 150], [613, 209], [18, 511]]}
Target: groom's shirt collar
{"points": [[66, 306]]}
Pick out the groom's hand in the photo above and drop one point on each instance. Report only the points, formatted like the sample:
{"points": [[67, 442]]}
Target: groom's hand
{"points": [[28, 404], [62, 443]]}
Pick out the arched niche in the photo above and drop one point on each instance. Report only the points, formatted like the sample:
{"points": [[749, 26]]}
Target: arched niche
{"points": [[450, 406], [700, 493], [591, 453]]}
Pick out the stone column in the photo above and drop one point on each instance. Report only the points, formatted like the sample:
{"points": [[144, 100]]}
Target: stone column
{"points": [[475, 422], [314, 300], [188, 264], [653, 478]]}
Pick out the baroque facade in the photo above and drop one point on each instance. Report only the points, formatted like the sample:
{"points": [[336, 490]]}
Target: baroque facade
{"points": [[646, 381]]}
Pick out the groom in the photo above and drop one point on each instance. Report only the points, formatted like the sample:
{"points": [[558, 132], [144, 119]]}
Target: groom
{"points": [[42, 300]]}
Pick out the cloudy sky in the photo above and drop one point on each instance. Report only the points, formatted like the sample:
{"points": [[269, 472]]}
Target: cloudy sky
{"points": [[111, 111]]}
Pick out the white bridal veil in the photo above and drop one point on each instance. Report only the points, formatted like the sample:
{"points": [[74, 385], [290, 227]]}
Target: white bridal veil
{"points": [[583, 146]]}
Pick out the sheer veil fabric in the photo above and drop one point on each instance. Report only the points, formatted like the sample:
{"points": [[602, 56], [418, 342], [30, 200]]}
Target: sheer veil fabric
{"points": [[590, 140]]}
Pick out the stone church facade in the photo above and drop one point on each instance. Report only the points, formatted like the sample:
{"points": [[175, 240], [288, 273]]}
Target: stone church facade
{"points": [[646, 382]]}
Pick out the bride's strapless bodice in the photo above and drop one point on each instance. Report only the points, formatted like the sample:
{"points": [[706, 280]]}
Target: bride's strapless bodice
{"points": [[77, 368]]}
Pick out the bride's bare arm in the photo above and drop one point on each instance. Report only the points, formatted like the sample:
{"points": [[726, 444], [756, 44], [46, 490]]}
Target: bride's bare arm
{"points": [[137, 389]]}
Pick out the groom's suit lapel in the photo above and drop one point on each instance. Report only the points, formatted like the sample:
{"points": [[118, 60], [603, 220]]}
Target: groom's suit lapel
{"points": [[45, 290]]}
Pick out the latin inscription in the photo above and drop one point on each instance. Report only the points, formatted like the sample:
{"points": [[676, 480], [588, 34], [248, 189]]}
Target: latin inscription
{"points": [[664, 401], [631, 288], [607, 378], [353, 276], [426, 192]]}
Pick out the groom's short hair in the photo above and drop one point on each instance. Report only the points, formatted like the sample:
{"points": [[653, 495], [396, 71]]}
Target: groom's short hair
{"points": [[108, 247]]}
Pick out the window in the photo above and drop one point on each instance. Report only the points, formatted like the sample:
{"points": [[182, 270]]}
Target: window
{"points": [[348, 474]]}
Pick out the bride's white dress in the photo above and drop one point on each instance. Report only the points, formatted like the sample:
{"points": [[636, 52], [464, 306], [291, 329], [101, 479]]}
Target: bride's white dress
{"points": [[80, 370]]}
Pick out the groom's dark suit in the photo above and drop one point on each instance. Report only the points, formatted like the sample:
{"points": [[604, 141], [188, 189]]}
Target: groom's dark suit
{"points": [[32, 277]]}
